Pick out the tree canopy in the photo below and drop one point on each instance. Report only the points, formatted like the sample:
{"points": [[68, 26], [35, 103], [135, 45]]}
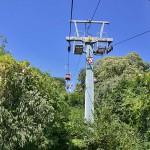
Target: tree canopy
{"points": [[33, 110], [121, 104], [36, 113]]}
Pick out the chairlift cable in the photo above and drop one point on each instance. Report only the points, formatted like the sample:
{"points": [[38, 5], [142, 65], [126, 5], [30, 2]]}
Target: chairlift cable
{"points": [[71, 16], [95, 11], [70, 30], [132, 37]]}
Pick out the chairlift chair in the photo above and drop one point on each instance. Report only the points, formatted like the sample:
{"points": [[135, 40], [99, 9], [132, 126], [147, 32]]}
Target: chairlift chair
{"points": [[100, 51], [68, 77], [78, 48], [103, 49], [100, 48]]}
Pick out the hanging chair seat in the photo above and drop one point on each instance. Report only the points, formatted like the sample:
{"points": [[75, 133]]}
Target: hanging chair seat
{"points": [[100, 51], [78, 49], [68, 77]]}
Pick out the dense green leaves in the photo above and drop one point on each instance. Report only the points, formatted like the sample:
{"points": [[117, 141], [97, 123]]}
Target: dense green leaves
{"points": [[123, 86], [36, 113], [33, 111], [122, 105]]}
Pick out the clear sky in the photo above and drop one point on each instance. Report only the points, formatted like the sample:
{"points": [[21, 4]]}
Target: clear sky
{"points": [[36, 29]]}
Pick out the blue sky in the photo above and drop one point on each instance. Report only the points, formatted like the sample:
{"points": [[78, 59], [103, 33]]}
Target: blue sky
{"points": [[36, 29]]}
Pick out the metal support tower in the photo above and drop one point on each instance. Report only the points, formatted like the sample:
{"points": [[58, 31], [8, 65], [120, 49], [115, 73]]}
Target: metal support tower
{"points": [[89, 82], [88, 43]]}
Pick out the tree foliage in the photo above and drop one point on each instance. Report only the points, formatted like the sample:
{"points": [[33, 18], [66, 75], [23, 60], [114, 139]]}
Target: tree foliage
{"points": [[36, 113], [33, 111], [121, 104]]}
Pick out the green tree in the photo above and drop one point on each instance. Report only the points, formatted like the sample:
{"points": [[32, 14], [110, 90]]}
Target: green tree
{"points": [[123, 85], [121, 105], [33, 111]]}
